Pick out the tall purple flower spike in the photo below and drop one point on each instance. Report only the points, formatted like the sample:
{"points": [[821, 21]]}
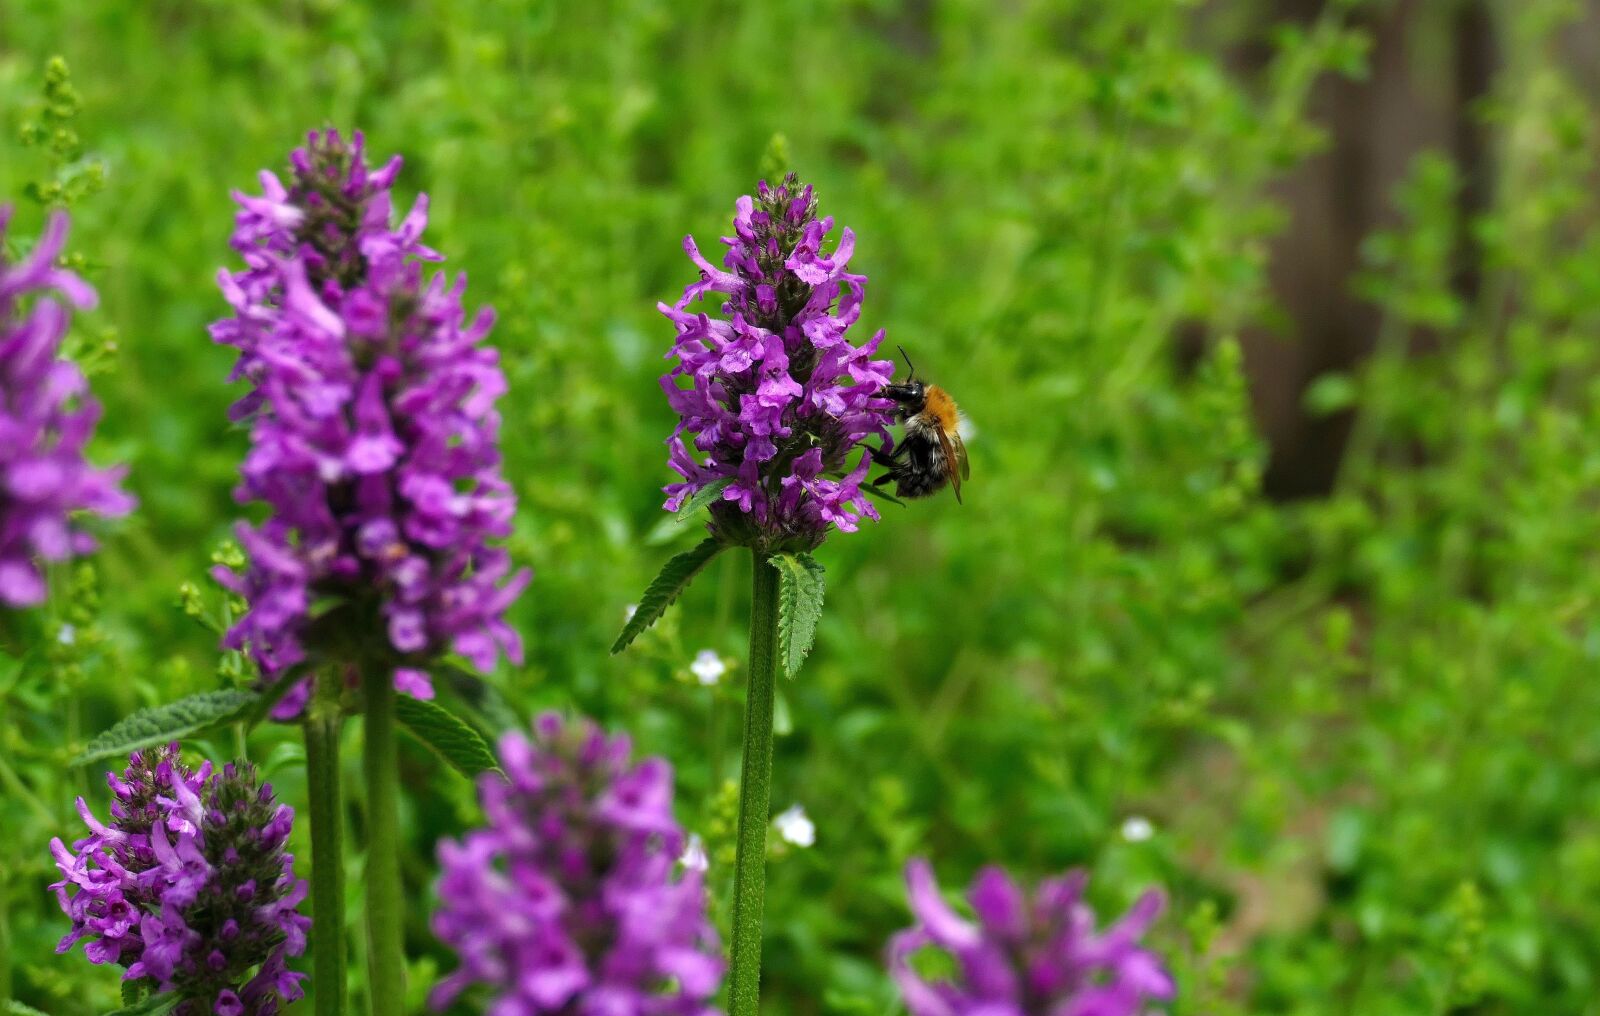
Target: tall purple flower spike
{"points": [[189, 887], [772, 391], [1038, 957], [46, 417], [567, 901], [374, 437]]}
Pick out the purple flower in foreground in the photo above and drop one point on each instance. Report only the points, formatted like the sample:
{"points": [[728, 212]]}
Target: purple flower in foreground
{"points": [[46, 417], [777, 397], [189, 887], [374, 437], [567, 901], [1038, 957]]}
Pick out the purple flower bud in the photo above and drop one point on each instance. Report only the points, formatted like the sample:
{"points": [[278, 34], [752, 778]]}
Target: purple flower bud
{"points": [[568, 901], [374, 438], [46, 417], [189, 887], [773, 394], [1039, 957]]}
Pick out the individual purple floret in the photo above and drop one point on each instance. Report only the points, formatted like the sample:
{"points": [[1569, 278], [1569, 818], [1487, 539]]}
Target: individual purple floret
{"points": [[567, 901], [777, 397], [374, 437], [1039, 957], [189, 887], [46, 418]]}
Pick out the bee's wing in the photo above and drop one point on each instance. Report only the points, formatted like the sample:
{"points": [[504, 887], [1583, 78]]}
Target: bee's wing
{"points": [[960, 447], [954, 463]]}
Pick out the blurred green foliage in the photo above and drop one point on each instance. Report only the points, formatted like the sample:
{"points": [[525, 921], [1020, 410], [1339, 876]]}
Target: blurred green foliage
{"points": [[1361, 728]]}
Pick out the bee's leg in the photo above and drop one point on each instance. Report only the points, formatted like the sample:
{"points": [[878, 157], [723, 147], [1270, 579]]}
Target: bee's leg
{"points": [[884, 458], [885, 478]]}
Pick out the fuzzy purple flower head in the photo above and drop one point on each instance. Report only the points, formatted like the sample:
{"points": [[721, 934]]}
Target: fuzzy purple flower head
{"points": [[568, 902], [773, 392], [374, 437], [189, 886], [46, 418], [1038, 957]]}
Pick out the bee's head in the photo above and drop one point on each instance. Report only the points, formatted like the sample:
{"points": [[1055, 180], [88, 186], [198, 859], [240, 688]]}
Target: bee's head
{"points": [[910, 394]]}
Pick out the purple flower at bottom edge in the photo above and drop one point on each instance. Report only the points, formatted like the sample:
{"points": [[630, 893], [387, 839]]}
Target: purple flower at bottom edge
{"points": [[771, 392], [570, 898], [373, 430], [189, 886], [46, 417], [1026, 957]]}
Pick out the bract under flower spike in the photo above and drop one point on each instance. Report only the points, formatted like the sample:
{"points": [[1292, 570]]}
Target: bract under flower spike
{"points": [[374, 437], [189, 887], [571, 899], [46, 417], [1026, 957], [772, 391]]}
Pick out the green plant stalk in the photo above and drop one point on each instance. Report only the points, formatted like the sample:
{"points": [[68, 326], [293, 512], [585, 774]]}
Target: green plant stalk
{"points": [[385, 905], [755, 792], [5, 940], [323, 720]]}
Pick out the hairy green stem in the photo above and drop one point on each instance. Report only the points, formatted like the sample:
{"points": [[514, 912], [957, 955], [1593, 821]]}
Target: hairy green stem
{"points": [[755, 792], [5, 940], [385, 905], [322, 724]]}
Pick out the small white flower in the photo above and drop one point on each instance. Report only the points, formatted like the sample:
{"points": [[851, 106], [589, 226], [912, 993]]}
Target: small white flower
{"points": [[796, 827], [708, 667], [67, 635], [1137, 829], [694, 854], [628, 612]]}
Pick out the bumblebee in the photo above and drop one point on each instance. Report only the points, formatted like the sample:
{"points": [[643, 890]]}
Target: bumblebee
{"points": [[931, 453]]}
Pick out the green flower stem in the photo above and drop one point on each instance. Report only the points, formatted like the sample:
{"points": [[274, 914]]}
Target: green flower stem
{"points": [[323, 720], [5, 940], [755, 792], [385, 905]]}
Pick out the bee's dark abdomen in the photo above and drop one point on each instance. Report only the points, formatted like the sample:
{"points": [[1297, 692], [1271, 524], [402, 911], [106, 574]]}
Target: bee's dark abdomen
{"points": [[923, 471]]}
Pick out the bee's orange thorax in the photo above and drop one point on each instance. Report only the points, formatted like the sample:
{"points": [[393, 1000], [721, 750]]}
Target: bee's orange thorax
{"points": [[941, 407]]}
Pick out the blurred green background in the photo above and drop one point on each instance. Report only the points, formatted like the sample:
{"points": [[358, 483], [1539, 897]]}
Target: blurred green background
{"points": [[1159, 250]]}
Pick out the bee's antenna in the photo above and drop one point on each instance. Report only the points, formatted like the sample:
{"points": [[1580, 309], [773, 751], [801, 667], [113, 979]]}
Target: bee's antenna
{"points": [[909, 365]]}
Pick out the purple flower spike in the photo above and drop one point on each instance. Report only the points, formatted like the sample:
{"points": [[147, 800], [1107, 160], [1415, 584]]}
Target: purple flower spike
{"points": [[773, 393], [374, 437], [567, 901], [46, 418], [189, 887], [1039, 957]]}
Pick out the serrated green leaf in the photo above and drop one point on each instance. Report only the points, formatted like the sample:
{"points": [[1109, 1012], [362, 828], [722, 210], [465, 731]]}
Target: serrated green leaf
{"points": [[155, 1005], [135, 991], [665, 588], [800, 588], [703, 497], [170, 722], [447, 735]]}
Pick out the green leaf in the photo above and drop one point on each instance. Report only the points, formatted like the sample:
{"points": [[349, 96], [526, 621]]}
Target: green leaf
{"points": [[135, 991], [155, 1005], [800, 589], [449, 736], [1330, 393], [170, 722], [666, 587], [703, 497], [18, 1009]]}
